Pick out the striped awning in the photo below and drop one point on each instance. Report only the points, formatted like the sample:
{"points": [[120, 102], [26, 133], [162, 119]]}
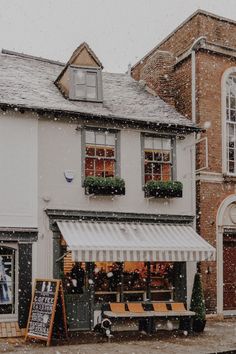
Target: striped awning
{"points": [[119, 242]]}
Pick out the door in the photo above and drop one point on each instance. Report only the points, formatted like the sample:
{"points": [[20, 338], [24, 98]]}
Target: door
{"points": [[78, 311], [229, 271]]}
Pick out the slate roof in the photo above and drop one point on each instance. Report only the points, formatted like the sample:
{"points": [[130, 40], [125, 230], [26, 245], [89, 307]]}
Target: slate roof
{"points": [[28, 82]]}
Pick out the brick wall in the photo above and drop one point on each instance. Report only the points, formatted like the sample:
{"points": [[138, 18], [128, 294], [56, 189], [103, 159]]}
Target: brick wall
{"points": [[214, 29], [209, 198], [209, 70]]}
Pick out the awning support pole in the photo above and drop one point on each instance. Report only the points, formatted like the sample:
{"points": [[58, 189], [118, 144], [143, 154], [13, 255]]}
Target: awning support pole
{"points": [[122, 283], [149, 281]]}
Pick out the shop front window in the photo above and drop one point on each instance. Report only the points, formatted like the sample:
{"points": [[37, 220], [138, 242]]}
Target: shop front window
{"points": [[7, 280], [120, 281], [161, 281]]}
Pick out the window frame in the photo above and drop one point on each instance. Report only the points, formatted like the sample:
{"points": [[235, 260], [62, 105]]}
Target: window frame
{"points": [[173, 153], [225, 123], [83, 149], [72, 83]]}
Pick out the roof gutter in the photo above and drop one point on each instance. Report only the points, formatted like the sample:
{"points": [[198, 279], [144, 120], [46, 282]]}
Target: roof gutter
{"points": [[84, 115]]}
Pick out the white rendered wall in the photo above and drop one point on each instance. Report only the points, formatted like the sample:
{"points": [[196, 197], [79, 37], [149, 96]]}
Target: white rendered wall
{"points": [[18, 164], [60, 150]]}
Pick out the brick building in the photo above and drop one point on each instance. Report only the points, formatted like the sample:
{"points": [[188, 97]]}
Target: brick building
{"points": [[194, 69]]}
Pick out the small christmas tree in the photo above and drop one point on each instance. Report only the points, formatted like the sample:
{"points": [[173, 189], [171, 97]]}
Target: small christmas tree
{"points": [[198, 304]]}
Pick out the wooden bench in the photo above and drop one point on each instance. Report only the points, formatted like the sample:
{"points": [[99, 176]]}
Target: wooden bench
{"points": [[147, 314]]}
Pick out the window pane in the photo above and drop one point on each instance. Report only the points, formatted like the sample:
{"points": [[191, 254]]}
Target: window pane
{"points": [[80, 76], [231, 166], [232, 102], [156, 168], [109, 168], [110, 139], [166, 156], [166, 172], [148, 178], [80, 91], [148, 167], [91, 92], [99, 165], [166, 144], [89, 163], [7, 281], [148, 155], [110, 152], [90, 151], [100, 138], [232, 115], [157, 144], [148, 143], [157, 156], [100, 152], [156, 177], [90, 137], [89, 173], [91, 79]]}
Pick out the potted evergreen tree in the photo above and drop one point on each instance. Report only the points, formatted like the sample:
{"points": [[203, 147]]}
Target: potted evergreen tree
{"points": [[198, 305]]}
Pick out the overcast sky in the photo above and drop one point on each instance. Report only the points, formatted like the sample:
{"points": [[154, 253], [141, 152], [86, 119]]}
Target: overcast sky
{"points": [[119, 31]]}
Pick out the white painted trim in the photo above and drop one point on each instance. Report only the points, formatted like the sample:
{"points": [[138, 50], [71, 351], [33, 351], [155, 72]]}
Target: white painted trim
{"points": [[223, 115], [211, 47], [211, 177], [229, 313], [219, 247]]}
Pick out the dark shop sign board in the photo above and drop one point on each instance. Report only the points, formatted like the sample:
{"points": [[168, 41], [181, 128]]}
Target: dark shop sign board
{"points": [[47, 316]]}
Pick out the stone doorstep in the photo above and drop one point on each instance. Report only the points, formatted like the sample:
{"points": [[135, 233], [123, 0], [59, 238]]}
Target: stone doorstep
{"points": [[11, 329]]}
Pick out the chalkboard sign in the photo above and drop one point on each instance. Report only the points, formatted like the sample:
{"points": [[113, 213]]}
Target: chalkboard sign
{"points": [[47, 314]]}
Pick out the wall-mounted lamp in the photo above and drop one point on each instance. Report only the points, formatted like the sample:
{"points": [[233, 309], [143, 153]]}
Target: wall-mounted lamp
{"points": [[69, 175]]}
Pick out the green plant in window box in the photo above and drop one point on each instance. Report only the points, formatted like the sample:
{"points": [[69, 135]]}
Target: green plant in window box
{"points": [[104, 186], [164, 189]]}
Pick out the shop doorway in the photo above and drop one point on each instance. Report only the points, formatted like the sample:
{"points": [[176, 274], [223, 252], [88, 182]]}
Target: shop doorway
{"points": [[229, 270]]}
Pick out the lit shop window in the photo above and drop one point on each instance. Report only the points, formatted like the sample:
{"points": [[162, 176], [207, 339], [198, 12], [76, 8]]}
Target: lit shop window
{"points": [[7, 280], [157, 159], [100, 154], [231, 123]]}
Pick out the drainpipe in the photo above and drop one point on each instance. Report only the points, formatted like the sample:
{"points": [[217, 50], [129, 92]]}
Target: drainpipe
{"points": [[191, 268], [196, 44]]}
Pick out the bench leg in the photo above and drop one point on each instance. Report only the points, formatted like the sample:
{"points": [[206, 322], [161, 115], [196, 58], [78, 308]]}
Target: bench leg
{"points": [[147, 325], [185, 324]]}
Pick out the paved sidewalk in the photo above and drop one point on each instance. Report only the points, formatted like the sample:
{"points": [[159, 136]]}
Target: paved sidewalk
{"points": [[219, 336]]}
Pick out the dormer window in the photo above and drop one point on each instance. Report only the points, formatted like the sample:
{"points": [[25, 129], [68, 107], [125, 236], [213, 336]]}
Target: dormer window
{"points": [[85, 84]]}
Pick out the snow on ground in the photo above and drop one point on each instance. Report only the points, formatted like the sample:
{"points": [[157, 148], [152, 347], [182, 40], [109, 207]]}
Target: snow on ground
{"points": [[218, 336]]}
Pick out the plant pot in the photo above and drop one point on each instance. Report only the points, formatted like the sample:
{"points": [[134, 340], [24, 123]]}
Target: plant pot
{"points": [[163, 189], [104, 186], [104, 190], [163, 194], [198, 325]]}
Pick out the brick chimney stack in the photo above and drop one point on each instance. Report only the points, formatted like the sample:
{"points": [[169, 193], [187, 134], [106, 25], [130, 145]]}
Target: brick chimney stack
{"points": [[157, 72]]}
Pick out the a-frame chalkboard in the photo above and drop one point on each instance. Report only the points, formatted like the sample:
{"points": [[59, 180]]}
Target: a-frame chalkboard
{"points": [[47, 316]]}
